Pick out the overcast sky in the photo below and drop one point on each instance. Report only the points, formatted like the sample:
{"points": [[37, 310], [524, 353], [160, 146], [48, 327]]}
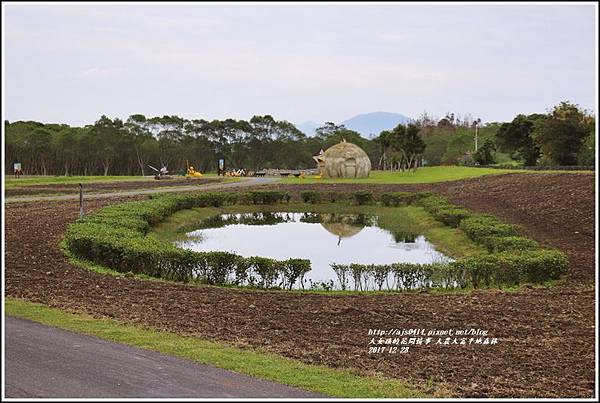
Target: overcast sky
{"points": [[298, 62]]}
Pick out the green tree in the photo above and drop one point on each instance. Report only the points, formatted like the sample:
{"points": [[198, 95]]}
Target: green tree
{"points": [[516, 138], [408, 146], [561, 135], [485, 154]]}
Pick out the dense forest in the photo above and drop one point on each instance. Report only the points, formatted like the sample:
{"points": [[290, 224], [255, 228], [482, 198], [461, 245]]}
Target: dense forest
{"points": [[564, 136]]}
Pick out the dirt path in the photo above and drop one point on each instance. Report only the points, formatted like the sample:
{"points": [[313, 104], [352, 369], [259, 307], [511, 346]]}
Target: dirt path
{"points": [[545, 336], [245, 182]]}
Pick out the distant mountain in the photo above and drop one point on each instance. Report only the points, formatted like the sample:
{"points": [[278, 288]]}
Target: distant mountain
{"points": [[308, 128], [371, 124], [367, 124]]}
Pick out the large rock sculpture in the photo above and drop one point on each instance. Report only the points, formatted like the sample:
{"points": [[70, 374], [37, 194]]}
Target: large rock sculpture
{"points": [[343, 160]]}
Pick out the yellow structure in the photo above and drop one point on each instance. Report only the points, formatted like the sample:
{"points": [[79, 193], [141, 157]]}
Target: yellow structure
{"points": [[191, 172]]}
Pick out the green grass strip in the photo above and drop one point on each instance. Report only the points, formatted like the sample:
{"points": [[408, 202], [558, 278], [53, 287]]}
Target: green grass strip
{"points": [[421, 175], [316, 378]]}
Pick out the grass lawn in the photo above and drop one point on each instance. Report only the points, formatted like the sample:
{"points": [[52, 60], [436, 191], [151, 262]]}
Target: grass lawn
{"points": [[422, 175], [11, 182], [316, 378]]}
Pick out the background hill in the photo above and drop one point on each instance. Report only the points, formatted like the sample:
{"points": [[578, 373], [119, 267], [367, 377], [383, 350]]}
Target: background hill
{"points": [[367, 124]]}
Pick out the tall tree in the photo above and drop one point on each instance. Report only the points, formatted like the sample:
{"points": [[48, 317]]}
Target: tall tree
{"points": [[516, 138], [561, 135]]}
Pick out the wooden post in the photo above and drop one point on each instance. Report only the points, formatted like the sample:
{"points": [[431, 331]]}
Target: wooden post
{"points": [[80, 200]]}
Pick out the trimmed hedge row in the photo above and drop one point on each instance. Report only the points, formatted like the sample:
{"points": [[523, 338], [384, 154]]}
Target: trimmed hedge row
{"points": [[498, 269], [117, 237]]}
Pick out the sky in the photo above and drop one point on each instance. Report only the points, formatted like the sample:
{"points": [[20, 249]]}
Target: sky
{"points": [[298, 62]]}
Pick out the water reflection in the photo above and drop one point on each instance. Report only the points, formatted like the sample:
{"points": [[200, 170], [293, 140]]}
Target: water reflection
{"points": [[324, 238]]}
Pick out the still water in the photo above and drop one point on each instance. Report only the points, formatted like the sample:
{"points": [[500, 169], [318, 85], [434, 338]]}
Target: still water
{"points": [[321, 237]]}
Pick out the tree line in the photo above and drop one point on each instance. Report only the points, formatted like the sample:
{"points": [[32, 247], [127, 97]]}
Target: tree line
{"points": [[117, 147], [564, 136]]}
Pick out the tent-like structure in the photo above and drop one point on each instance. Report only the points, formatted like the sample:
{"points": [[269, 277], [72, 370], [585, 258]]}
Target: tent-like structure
{"points": [[340, 228], [343, 160]]}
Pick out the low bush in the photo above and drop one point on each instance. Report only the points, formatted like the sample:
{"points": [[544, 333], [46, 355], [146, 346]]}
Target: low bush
{"points": [[310, 196], [269, 197], [294, 270], [396, 199], [342, 271], [511, 268], [509, 243], [362, 197], [478, 227], [266, 268], [334, 197], [451, 216], [443, 211]]}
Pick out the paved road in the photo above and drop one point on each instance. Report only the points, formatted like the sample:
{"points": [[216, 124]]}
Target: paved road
{"points": [[245, 182], [43, 361]]}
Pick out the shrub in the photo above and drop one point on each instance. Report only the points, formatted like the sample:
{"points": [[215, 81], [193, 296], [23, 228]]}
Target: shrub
{"points": [[342, 271], [408, 275], [395, 199], [268, 196], [310, 196], [478, 227], [509, 243], [451, 216], [449, 275], [362, 197], [511, 268], [220, 265], [538, 266], [433, 203], [443, 211], [380, 274], [334, 197], [358, 271], [267, 269], [294, 269]]}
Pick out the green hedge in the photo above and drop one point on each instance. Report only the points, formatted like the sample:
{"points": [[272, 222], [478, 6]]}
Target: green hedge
{"points": [[478, 227], [511, 268], [310, 196], [117, 237], [396, 199], [362, 197], [508, 243]]}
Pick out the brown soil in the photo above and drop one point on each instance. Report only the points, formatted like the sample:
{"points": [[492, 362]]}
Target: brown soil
{"points": [[546, 336], [106, 186]]}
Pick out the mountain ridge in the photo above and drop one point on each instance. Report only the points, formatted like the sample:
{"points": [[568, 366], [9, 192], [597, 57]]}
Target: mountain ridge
{"points": [[367, 124]]}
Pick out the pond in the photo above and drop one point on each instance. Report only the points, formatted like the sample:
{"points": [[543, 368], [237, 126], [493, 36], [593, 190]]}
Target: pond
{"points": [[323, 238]]}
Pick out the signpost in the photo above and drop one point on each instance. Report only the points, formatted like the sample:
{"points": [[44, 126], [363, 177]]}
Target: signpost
{"points": [[17, 169], [80, 200]]}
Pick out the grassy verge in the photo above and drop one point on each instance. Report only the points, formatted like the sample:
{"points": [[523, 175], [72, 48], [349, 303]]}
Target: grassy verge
{"points": [[316, 378], [421, 175], [11, 182]]}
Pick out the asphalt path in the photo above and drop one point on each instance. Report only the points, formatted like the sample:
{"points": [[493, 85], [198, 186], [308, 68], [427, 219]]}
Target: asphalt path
{"points": [[244, 182], [46, 362]]}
